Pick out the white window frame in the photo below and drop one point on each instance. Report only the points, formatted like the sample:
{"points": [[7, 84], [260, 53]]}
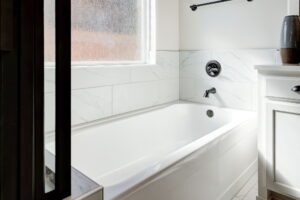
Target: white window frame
{"points": [[148, 26]]}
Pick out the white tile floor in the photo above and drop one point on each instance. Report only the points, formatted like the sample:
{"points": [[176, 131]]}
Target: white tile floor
{"points": [[249, 191]]}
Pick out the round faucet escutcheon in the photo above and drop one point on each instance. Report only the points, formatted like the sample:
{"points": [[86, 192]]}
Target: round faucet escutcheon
{"points": [[213, 68]]}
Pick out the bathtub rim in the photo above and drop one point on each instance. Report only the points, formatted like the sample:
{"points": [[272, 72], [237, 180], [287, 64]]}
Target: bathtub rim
{"points": [[76, 129], [81, 127]]}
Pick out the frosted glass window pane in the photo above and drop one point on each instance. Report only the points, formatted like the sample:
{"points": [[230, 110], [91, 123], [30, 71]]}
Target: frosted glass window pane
{"points": [[107, 30], [49, 30]]}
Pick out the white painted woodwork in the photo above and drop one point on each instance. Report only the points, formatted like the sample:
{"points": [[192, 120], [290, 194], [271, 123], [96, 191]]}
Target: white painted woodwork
{"points": [[279, 131], [282, 87], [283, 133]]}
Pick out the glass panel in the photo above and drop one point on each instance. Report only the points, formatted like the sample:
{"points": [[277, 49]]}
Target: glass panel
{"points": [[107, 31], [49, 116]]}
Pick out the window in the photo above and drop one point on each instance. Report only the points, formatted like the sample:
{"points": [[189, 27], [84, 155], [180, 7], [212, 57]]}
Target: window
{"points": [[111, 32]]}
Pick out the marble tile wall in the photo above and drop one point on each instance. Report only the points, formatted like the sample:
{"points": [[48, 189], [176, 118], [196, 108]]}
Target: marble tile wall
{"points": [[236, 85], [99, 92]]}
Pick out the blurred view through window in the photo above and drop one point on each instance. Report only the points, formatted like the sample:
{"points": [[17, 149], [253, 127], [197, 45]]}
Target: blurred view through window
{"points": [[105, 31]]}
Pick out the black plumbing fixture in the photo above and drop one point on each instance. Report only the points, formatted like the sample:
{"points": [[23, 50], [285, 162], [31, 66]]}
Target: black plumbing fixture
{"points": [[195, 6], [210, 113], [210, 91], [213, 68]]}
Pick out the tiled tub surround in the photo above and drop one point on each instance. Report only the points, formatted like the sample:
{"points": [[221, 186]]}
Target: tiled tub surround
{"points": [[236, 85], [104, 91]]}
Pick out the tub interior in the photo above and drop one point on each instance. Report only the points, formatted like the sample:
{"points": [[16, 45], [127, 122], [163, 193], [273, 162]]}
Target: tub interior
{"points": [[115, 151]]}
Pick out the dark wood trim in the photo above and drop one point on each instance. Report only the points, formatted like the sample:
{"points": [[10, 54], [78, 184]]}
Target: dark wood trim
{"points": [[6, 25], [22, 102], [39, 164], [27, 65], [63, 98], [9, 107], [9, 127]]}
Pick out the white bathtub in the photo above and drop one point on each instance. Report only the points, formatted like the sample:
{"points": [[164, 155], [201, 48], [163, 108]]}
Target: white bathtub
{"points": [[173, 153]]}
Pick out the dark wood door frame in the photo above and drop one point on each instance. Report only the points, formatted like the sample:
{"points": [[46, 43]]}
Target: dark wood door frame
{"points": [[9, 106], [18, 65], [22, 100]]}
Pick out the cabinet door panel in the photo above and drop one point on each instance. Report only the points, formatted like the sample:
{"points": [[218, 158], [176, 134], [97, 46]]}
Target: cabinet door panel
{"points": [[283, 147], [287, 148]]}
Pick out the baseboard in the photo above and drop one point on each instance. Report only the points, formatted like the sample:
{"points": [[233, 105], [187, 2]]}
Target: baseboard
{"points": [[238, 184], [275, 196]]}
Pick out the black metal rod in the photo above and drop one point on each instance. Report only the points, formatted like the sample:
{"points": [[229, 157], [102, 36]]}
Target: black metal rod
{"points": [[194, 7]]}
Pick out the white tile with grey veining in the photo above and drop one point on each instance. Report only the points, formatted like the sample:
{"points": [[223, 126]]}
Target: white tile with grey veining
{"points": [[229, 94], [135, 96], [93, 76], [87, 105], [166, 67], [237, 65], [90, 77], [236, 85], [167, 58], [192, 63], [137, 86], [234, 68], [246, 59], [91, 104], [143, 74], [168, 90], [168, 62]]}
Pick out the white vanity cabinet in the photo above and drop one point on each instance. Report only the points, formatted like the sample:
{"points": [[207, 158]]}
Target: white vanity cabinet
{"points": [[283, 144], [279, 136]]}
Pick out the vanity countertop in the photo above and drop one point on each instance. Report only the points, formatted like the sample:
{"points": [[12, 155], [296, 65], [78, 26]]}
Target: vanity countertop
{"points": [[287, 70]]}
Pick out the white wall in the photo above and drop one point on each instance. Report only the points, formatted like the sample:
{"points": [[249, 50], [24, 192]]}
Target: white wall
{"points": [[293, 7], [236, 24], [167, 24]]}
